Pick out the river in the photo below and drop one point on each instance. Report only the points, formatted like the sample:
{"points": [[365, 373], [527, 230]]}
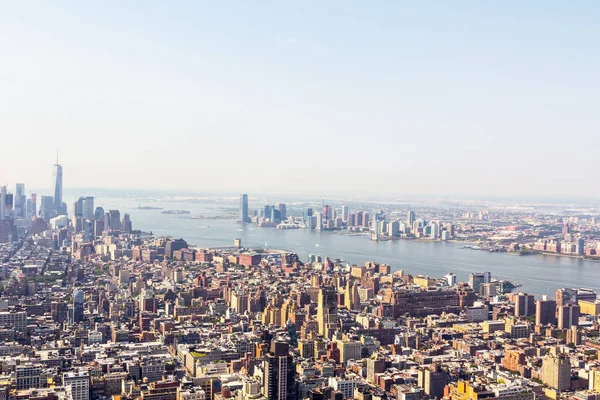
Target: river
{"points": [[538, 274]]}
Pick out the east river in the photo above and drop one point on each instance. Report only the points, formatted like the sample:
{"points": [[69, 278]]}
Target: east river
{"points": [[538, 274]]}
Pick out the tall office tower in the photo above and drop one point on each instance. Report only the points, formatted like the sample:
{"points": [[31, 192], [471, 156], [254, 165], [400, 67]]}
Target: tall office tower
{"points": [[556, 371], [279, 373], [99, 214], [98, 227], [47, 208], [434, 231], [359, 218], [20, 200], [580, 246], [275, 215], [57, 179], [87, 207], [33, 210], [268, 212], [327, 311], [127, 227], [345, 213], [115, 220], [107, 224], [78, 299], [410, 218], [87, 227], [568, 316], [28, 213], [319, 221], [78, 208], [566, 296], [8, 202], [2, 202], [326, 212], [244, 208], [524, 305], [283, 211], [545, 312], [393, 228]]}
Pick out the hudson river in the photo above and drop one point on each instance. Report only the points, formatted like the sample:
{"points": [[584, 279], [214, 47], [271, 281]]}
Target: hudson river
{"points": [[538, 274]]}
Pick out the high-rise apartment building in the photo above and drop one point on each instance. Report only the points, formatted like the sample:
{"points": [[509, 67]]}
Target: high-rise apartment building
{"points": [[545, 312], [568, 316], [566, 296], [279, 373], [524, 305], [556, 372], [344, 213]]}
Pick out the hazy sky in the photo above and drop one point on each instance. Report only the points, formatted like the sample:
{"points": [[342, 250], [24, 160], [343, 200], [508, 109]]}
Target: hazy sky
{"points": [[478, 98]]}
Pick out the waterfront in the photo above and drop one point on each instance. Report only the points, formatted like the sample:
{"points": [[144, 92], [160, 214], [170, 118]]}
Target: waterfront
{"points": [[539, 274]]}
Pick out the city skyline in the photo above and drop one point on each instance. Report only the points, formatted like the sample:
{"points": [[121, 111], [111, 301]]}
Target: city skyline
{"points": [[460, 100], [299, 201]]}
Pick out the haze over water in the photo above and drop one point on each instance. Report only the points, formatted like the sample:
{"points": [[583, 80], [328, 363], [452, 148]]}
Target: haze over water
{"points": [[538, 274]]}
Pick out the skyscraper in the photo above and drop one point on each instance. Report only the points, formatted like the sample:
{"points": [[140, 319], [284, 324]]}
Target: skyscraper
{"points": [[99, 214], [244, 208], [279, 373], [47, 207], [434, 231], [32, 211], [2, 202], [115, 220], [344, 213], [545, 312], [20, 200], [283, 211], [127, 227], [410, 218], [327, 311], [87, 207], [568, 316], [524, 305], [78, 298], [57, 178]]}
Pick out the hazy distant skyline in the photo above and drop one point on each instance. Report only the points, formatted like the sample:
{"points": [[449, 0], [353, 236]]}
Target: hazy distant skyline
{"points": [[428, 98]]}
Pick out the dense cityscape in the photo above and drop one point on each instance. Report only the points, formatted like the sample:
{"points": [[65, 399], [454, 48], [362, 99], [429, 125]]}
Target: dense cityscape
{"points": [[91, 308], [526, 231]]}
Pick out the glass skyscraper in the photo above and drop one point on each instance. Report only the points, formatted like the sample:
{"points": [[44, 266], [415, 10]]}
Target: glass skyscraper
{"points": [[244, 208], [57, 178]]}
